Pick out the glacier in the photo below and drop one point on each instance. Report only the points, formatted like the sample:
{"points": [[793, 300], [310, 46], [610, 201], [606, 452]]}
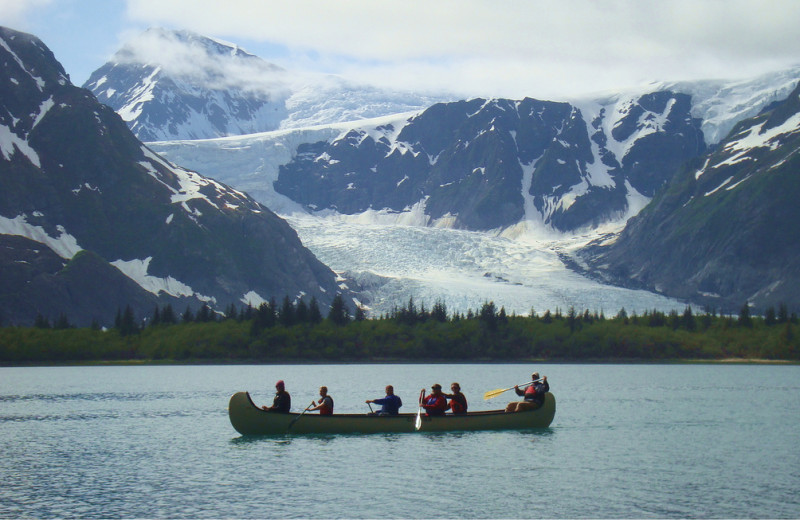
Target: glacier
{"points": [[392, 263], [390, 257], [393, 256]]}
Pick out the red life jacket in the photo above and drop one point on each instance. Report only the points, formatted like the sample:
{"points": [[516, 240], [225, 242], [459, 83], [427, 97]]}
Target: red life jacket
{"points": [[530, 392], [457, 406], [435, 404], [325, 409]]}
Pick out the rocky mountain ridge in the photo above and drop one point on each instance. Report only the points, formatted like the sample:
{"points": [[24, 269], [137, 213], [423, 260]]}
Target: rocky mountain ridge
{"points": [[724, 232], [83, 198]]}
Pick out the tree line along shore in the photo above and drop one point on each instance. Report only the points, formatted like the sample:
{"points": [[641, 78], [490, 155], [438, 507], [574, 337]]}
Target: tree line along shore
{"points": [[299, 332]]}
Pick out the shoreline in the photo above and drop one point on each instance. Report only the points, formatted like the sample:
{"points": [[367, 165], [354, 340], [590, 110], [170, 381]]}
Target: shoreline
{"points": [[393, 361]]}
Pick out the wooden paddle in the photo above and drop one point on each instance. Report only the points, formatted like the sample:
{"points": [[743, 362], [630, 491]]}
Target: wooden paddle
{"points": [[494, 393], [299, 416]]}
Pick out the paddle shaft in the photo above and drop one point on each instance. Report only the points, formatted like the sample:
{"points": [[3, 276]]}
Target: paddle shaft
{"points": [[299, 416], [418, 423], [494, 393]]}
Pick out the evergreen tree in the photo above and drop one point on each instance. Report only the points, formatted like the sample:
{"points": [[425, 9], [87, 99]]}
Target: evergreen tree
{"points": [[423, 315], [156, 319], [744, 316], [688, 321], [408, 315], [338, 312], [361, 315], [168, 315], [286, 314], [41, 322], [205, 314], [231, 313], [572, 319], [770, 318], [314, 314], [263, 317], [62, 322], [188, 315], [301, 311], [439, 312], [674, 320], [488, 315], [706, 320], [783, 313], [127, 324]]}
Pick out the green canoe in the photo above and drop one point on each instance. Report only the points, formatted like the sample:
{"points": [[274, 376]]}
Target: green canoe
{"points": [[249, 419]]}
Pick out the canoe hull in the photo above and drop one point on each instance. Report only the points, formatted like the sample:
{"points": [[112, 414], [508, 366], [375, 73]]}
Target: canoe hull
{"points": [[248, 419]]}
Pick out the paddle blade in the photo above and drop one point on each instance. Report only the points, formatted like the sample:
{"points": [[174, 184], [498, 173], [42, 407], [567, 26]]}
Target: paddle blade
{"points": [[494, 393], [418, 423]]}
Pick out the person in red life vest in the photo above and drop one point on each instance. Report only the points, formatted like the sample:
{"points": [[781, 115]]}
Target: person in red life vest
{"points": [[282, 402], [325, 404], [436, 402], [533, 394], [458, 401]]}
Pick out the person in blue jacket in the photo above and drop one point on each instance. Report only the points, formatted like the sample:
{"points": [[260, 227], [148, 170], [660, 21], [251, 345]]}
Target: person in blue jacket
{"points": [[390, 405]]}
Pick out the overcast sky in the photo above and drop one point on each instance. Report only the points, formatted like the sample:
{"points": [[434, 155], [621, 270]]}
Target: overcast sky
{"points": [[497, 48]]}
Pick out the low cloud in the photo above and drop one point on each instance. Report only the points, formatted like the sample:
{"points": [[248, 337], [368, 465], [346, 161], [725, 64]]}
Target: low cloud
{"points": [[187, 56], [509, 46]]}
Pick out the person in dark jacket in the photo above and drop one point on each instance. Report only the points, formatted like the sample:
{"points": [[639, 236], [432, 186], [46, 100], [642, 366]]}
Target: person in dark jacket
{"points": [[532, 395], [458, 401], [436, 402], [325, 403], [282, 402], [390, 405]]}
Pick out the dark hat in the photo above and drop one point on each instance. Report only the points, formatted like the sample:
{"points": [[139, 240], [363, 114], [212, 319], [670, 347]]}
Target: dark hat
{"points": [[436, 385]]}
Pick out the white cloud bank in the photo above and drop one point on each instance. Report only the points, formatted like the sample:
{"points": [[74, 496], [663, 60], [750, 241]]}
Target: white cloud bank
{"points": [[510, 48]]}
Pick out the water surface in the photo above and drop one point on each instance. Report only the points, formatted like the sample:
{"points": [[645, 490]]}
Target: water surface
{"points": [[651, 441]]}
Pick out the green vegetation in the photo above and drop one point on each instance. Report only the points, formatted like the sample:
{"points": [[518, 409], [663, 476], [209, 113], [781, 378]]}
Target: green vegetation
{"points": [[299, 332]]}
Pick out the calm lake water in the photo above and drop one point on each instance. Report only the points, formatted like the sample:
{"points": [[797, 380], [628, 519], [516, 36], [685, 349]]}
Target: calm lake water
{"points": [[645, 441]]}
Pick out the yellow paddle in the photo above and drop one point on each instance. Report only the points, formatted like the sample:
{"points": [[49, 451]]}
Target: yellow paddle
{"points": [[494, 393]]}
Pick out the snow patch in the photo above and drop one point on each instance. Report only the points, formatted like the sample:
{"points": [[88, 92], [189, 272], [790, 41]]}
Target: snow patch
{"points": [[253, 299], [11, 143], [136, 270], [64, 245]]}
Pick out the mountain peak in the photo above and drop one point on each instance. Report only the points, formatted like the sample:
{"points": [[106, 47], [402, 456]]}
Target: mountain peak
{"points": [[171, 85]]}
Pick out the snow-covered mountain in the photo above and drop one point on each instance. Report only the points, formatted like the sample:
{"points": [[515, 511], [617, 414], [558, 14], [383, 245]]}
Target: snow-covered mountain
{"points": [[606, 155], [92, 220], [180, 85], [487, 164], [725, 231]]}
